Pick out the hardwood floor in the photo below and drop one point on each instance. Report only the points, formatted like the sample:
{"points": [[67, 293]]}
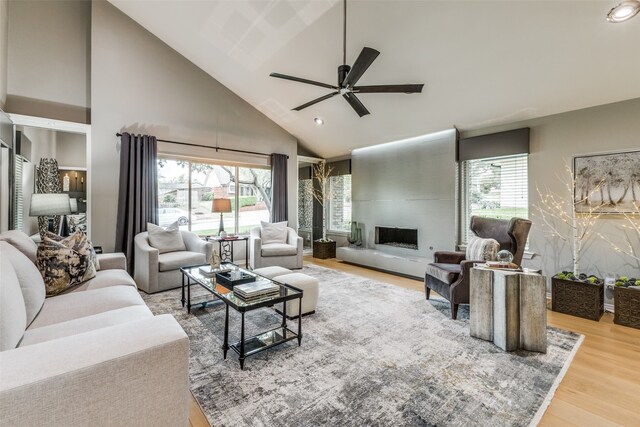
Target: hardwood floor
{"points": [[601, 387]]}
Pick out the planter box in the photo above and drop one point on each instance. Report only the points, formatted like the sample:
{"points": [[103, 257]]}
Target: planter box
{"points": [[577, 298], [627, 307], [324, 250]]}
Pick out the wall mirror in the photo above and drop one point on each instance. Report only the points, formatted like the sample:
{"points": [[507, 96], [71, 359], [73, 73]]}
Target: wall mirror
{"points": [[37, 143]]}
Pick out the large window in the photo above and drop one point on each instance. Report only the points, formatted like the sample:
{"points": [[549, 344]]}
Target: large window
{"points": [[494, 187], [340, 203], [186, 191]]}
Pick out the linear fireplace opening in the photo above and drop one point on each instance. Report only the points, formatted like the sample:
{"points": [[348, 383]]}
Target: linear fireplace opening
{"points": [[396, 236]]}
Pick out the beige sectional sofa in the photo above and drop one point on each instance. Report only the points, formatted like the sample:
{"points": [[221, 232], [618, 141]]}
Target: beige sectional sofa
{"points": [[95, 356]]}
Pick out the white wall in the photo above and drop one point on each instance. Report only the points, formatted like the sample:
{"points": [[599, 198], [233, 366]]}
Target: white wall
{"points": [[407, 184], [4, 32], [71, 149], [557, 139], [48, 54], [141, 85]]}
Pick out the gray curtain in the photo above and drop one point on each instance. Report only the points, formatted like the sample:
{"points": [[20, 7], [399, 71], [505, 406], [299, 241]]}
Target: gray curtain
{"points": [[138, 197], [279, 199]]}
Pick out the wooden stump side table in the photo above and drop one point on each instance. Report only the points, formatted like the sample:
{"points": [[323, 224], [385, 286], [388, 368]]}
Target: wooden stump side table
{"points": [[508, 308]]}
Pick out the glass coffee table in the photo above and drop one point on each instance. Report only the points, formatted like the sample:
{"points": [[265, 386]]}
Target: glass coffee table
{"points": [[252, 345]]}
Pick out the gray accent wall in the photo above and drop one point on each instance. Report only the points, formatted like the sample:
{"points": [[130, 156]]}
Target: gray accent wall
{"points": [[409, 183], [141, 85], [554, 141], [4, 48], [49, 50]]}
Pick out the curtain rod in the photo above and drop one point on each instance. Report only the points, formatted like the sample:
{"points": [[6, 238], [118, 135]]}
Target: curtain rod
{"points": [[190, 144]]}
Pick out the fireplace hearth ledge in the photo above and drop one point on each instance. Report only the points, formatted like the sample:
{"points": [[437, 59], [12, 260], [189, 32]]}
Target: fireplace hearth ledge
{"points": [[406, 265]]}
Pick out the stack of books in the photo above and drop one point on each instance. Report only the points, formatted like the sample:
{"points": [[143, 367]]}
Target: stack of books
{"points": [[257, 290], [207, 271]]}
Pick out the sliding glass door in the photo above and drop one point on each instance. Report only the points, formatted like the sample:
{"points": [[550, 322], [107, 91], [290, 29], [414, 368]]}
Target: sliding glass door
{"points": [[187, 190]]}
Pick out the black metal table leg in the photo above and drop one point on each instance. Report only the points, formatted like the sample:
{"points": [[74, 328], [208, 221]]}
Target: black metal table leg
{"points": [[246, 254], [242, 343], [225, 346], [182, 298], [284, 314], [188, 295], [299, 321]]}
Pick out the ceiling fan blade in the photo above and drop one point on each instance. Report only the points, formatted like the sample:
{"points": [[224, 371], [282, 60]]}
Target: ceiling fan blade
{"points": [[315, 101], [410, 88], [298, 79], [364, 60], [356, 104]]}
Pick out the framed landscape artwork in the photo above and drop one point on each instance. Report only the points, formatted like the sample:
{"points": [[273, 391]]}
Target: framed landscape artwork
{"points": [[607, 183]]}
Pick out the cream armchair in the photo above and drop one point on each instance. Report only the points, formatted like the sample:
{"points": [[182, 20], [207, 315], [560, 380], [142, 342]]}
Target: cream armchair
{"points": [[287, 255], [155, 272]]}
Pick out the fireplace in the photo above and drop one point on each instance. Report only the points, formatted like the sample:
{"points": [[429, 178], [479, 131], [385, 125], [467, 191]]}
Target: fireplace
{"points": [[396, 236]]}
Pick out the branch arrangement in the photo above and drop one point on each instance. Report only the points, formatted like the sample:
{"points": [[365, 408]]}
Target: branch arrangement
{"points": [[322, 192], [632, 225], [560, 219]]}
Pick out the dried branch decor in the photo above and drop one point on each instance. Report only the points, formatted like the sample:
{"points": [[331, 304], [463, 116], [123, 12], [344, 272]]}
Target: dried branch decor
{"points": [[560, 218], [322, 192], [633, 226]]}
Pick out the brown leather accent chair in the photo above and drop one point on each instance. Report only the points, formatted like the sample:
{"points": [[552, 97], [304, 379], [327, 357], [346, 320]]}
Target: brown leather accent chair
{"points": [[448, 275]]}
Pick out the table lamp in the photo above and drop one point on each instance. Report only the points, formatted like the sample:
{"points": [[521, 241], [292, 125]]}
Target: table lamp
{"points": [[222, 206], [52, 204]]}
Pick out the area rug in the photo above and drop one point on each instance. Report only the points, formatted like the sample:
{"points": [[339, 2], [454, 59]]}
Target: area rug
{"points": [[373, 354]]}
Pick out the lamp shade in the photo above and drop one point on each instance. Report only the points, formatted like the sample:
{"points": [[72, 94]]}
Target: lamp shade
{"points": [[74, 205], [49, 204], [221, 205]]}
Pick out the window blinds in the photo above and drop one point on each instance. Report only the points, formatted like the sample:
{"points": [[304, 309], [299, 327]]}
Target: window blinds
{"points": [[18, 201], [494, 187]]}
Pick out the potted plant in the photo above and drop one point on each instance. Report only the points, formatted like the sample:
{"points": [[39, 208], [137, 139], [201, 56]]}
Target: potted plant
{"points": [[323, 248], [572, 292], [626, 293]]}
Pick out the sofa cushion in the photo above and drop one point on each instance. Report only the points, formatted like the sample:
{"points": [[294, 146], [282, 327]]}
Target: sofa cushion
{"points": [[30, 279], [273, 232], [13, 316], [174, 260], [278, 249], [165, 240], [21, 242], [105, 279], [447, 273], [479, 249], [85, 324], [75, 305]]}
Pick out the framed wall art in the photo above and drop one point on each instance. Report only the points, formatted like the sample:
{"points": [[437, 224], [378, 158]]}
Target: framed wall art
{"points": [[607, 183]]}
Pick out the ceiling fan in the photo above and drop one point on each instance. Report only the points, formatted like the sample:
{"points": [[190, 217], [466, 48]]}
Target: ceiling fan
{"points": [[349, 76]]}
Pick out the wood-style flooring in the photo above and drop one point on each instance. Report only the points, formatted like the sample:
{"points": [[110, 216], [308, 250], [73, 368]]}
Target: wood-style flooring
{"points": [[601, 387]]}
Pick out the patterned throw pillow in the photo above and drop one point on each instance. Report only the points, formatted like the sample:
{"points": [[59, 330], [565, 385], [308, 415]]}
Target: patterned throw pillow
{"points": [[479, 249], [65, 262]]}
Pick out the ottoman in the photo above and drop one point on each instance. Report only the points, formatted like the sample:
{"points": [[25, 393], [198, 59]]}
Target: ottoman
{"points": [[271, 272], [310, 289]]}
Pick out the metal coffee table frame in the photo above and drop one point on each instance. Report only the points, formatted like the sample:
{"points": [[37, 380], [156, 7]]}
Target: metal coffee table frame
{"points": [[255, 344]]}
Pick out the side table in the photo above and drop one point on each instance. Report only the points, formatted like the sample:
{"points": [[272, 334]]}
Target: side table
{"points": [[225, 247], [508, 308]]}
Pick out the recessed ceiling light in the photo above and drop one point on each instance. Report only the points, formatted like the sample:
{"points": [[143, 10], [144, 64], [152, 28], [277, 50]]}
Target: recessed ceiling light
{"points": [[318, 121], [624, 11]]}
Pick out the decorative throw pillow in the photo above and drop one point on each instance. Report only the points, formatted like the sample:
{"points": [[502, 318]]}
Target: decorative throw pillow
{"points": [[80, 242], [65, 262], [479, 249], [273, 232], [166, 239], [30, 279]]}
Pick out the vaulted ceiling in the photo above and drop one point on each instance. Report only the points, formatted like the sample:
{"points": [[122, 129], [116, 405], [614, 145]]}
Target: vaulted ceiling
{"points": [[483, 63]]}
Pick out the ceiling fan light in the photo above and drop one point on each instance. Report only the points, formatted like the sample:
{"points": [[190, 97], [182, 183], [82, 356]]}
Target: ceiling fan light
{"points": [[624, 11]]}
